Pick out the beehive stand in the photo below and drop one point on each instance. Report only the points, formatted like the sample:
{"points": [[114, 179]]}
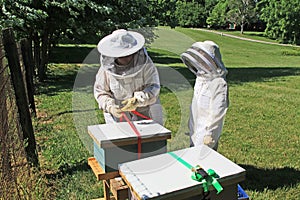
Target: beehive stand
{"points": [[112, 182], [164, 177]]}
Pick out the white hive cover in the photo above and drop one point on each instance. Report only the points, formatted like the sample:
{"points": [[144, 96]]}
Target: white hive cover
{"points": [[164, 176]]}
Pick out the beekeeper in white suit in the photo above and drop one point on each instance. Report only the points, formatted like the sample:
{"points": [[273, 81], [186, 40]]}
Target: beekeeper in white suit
{"points": [[210, 99], [127, 79]]}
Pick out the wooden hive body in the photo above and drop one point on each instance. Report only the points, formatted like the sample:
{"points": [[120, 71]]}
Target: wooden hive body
{"points": [[117, 143]]}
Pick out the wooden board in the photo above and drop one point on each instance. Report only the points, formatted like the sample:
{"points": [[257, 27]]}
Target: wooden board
{"points": [[119, 189], [99, 172], [164, 177], [120, 134]]}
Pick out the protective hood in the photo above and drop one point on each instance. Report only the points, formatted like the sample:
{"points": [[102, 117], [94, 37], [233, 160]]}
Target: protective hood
{"points": [[139, 60], [204, 58]]}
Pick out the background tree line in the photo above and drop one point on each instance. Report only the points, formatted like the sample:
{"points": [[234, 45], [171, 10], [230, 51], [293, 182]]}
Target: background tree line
{"points": [[47, 23]]}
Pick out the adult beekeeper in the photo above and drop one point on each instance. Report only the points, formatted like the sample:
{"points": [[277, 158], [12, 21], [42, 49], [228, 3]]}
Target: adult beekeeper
{"points": [[210, 100], [127, 81]]}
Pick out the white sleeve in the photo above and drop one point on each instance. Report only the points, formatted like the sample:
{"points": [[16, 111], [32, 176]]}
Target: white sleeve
{"points": [[218, 105], [152, 83], [102, 91]]}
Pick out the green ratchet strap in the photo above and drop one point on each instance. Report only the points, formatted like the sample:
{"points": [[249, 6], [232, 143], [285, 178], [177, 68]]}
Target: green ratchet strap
{"points": [[181, 160], [199, 174]]}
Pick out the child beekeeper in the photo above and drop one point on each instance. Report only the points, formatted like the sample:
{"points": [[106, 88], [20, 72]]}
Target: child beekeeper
{"points": [[210, 100]]}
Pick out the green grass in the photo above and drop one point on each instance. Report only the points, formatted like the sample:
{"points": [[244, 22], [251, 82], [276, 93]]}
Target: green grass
{"points": [[262, 135], [261, 131], [64, 157]]}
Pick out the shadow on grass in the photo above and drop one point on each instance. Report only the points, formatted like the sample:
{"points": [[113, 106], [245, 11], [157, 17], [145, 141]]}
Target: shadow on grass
{"points": [[58, 83], [260, 34], [259, 74], [64, 81], [68, 169], [235, 75], [53, 85], [258, 179], [243, 75], [69, 54], [164, 58]]}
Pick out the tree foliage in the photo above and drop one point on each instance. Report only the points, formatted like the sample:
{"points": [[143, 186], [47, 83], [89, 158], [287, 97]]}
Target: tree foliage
{"points": [[190, 14], [217, 17], [283, 20], [164, 12], [49, 22], [45, 23]]}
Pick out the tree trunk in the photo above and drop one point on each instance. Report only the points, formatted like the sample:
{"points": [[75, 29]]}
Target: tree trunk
{"points": [[242, 28], [37, 55], [44, 52]]}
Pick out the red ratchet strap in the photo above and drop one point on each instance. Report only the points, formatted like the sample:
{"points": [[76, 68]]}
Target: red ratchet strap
{"points": [[135, 130], [139, 114]]}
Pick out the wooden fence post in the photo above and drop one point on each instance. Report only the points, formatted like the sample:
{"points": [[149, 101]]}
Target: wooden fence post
{"points": [[10, 47], [5, 162], [29, 67]]}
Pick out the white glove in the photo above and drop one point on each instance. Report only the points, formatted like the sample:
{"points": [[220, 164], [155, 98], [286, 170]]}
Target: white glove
{"points": [[141, 96], [115, 111]]}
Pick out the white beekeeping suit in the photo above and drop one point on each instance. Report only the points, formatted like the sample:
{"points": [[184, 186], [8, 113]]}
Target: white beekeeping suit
{"points": [[210, 99], [127, 87]]}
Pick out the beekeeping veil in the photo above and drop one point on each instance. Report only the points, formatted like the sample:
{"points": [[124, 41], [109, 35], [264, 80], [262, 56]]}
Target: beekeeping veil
{"points": [[122, 43], [204, 58]]}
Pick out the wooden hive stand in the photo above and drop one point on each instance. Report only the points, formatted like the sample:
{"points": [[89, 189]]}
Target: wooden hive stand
{"points": [[112, 182]]}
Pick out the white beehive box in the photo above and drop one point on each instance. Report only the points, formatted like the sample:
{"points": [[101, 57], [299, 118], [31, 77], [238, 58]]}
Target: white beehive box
{"points": [[117, 143], [166, 177]]}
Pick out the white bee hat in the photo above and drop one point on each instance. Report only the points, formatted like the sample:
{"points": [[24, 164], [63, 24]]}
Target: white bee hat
{"points": [[121, 43]]}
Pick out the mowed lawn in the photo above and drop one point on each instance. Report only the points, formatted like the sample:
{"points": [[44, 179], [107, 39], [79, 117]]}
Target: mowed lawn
{"points": [[261, 131]]}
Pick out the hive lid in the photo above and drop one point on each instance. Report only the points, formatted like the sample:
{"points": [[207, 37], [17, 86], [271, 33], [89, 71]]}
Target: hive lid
{"points": [[120, 134], [163, 176]]}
